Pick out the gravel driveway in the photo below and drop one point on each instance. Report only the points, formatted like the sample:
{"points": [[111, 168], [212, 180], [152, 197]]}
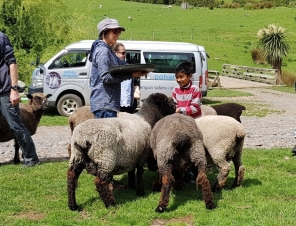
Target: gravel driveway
{"points": [[274, 130]]}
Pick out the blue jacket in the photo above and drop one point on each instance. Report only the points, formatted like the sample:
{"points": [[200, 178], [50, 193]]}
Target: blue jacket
{"points": [[6, 58], [105, 88]]}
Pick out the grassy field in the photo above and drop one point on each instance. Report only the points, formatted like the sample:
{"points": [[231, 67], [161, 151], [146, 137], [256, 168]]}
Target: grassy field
{"points": [[38, 196], [227, 34]]}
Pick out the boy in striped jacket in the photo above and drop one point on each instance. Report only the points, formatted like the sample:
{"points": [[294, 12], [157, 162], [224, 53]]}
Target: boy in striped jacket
{"points": [[187, 96]]}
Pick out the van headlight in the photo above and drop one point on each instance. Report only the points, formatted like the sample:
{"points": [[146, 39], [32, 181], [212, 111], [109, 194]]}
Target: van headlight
{"points": [[37, 83]]}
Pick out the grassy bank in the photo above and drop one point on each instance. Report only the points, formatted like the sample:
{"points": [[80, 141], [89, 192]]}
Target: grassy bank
{"points": [[38, 196], [227, 34]]}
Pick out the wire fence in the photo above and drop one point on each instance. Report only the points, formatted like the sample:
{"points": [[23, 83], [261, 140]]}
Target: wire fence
{"points": [[190, 36]]}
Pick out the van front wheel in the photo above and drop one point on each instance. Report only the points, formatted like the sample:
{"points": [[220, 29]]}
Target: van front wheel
{"points": [[68, 103]]}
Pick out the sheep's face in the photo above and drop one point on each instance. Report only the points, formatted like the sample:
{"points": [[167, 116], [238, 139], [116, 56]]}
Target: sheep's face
{"points": [[39, 100], [164, 103]]}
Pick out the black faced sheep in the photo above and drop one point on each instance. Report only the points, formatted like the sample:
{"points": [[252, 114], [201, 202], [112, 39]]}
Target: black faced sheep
{"points": [[31, 114], [112, 146], [233, 110], [223, 138], [80, 115], [177, 144]]}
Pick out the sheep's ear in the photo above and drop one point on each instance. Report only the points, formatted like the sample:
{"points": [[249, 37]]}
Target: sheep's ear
{"points": [[48, 95], [143, 100], [30, 96]]}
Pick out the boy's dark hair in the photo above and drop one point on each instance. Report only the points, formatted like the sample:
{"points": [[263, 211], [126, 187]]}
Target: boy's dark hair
{"points": [[185, 67]]}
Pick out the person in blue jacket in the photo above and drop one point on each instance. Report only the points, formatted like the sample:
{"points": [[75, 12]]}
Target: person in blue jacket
{"points": [[9, 101], [106, 87]]}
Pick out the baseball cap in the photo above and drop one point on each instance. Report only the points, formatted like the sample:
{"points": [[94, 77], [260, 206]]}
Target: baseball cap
{"points": [[108, 24]]}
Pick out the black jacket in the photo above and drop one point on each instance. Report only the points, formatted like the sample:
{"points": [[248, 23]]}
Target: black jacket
{"points": [[6, 58]]}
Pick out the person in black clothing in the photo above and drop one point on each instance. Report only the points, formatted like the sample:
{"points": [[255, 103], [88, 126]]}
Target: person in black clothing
{"points": [[9, 101]]}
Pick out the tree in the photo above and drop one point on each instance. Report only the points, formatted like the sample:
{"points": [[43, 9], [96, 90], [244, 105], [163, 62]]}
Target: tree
{"points": [[274, 45], [34, 26]]}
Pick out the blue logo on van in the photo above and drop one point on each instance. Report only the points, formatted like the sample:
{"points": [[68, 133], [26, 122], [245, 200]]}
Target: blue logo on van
{"points": [[165, 77], [69, 74]]}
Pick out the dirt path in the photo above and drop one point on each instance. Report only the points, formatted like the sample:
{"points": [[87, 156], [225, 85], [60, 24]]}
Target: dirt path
{"points": [[275, 130]]}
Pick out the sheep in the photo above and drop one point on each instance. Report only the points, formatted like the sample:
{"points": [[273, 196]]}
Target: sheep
{"points": [[80, 115], [233, 110], [207, 110], [130, 18], [112, 146], [223, 138], [177, 144], [31, 114]]}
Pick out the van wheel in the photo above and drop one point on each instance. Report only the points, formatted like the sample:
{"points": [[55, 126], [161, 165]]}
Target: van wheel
{"points": [[68, 103]]}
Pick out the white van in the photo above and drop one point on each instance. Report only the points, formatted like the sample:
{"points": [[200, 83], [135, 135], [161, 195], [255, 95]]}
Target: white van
{"points": [[66, 75]]}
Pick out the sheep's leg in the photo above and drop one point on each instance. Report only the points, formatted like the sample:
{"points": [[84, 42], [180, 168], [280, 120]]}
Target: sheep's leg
{"points": [[205, 186], [140, 183], [72, 177], [104, 188], [157, 184], [131, 180], [239, 170], [179, 182], [168, 181], [224, 169], [16, 158]]}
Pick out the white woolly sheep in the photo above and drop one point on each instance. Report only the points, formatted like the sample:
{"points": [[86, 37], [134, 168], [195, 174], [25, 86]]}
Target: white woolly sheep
{"points": [[177, 144], [31, 114], [223, 138], [207, 110], [112, 146], [80, 115]]}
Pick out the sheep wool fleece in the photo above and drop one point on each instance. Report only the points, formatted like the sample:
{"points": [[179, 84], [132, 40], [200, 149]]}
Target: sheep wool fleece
{"points": [[113, 149], [223, 137]]}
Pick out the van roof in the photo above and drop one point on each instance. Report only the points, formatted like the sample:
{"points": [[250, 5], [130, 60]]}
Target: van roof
{"points": [[144, 45]]}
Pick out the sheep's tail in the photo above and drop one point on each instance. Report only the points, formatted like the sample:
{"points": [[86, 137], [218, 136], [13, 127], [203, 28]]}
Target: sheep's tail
{"points": [[240, 132], [182, 142], [240, 137]]}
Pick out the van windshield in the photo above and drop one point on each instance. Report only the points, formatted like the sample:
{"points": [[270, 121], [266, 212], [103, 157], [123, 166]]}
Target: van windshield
{"points": [[165, 62], [70, 59]]}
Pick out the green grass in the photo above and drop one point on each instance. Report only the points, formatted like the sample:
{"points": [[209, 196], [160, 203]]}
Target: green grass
{"points": [[221, 92], [38, 196], [52, 118], [259, 110], [285, 89], [228, 35]]}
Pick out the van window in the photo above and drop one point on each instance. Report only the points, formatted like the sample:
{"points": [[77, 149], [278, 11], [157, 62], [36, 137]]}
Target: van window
{"points": [[165, 62], [133, 57], [70, 59]]}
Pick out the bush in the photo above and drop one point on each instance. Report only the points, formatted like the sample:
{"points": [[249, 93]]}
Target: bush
{"points": [[258, 56], [288, 78]]}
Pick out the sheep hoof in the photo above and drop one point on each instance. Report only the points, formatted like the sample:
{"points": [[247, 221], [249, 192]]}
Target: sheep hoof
{"points": [[210, 206], [73, 207], [160, 209]]}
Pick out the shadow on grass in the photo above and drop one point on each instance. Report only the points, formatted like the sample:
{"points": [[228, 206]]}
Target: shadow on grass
{"points": [[42, 160], [210, 102]]}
